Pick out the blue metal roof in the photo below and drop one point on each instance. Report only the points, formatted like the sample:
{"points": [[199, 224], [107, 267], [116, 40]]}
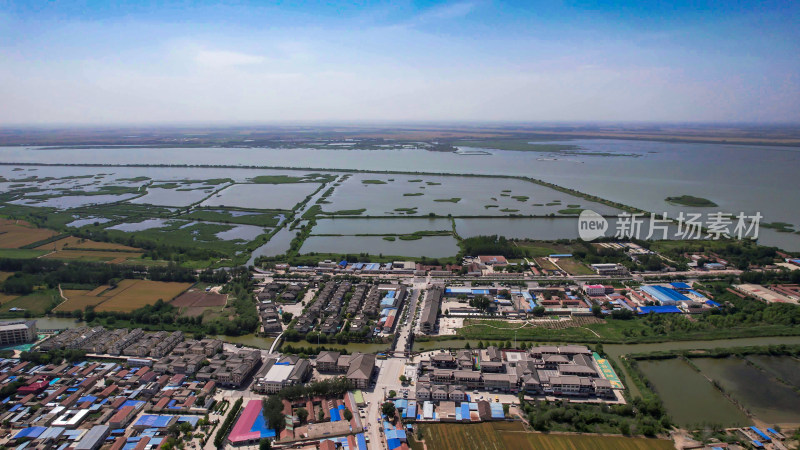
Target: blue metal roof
{"points": [[32, 432], [153, 421], [361, 441], [761, 433], [680, 285], [659, 309], [664, 294]]}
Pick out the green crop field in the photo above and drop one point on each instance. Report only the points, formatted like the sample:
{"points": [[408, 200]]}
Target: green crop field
{"points": [[511, 435], [36, 303]]}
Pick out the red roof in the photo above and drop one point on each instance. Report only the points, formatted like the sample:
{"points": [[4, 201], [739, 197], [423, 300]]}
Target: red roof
{"points": [[119, 443], [241, 430], [118, 402], [121, 416], [327, 445], [493, 259], [33, 388]]}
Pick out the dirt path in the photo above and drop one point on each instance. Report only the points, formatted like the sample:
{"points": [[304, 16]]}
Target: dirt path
{"points": [[589, 329], [61, 294]]}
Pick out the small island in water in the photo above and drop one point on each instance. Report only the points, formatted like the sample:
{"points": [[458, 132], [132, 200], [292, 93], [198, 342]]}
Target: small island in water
{"points": [[689, 200]]}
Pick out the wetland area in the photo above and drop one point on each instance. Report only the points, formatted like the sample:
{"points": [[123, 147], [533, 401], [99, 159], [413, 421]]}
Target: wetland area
{"points": [[641, 174]]}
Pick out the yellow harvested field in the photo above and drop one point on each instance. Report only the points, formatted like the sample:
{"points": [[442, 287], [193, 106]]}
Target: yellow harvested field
{"points": [[98, 290], [79, 300], [18, 233], [72, 242], [134, 294], [93, 255], [4, 276], [5, 298]]}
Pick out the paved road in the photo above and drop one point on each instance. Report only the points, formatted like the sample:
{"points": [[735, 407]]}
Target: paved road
{"points": [[388, 379], [405, 330]]}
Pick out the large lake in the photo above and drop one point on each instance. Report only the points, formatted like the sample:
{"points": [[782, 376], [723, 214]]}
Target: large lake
{"points": [[736, 177]]}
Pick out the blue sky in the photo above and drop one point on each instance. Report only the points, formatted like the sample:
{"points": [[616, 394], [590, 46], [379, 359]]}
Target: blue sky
{"points": [[109, 62]]}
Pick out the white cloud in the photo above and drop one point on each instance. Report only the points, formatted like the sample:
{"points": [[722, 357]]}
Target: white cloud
{"points": [[222, 58]]}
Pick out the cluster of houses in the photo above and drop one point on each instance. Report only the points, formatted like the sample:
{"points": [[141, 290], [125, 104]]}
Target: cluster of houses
{"points": [[284, 293], [358, 368], [567, 370], [99, 340], [328, 303], [88, 405], [270, 318]]}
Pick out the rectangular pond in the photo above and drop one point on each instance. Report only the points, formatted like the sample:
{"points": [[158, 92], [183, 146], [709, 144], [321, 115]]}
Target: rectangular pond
{"points": [[430, 246], [784, 367], [262, 196], [688, 397], [769, 400], [184, 196], [380, 226], [540, 228]]}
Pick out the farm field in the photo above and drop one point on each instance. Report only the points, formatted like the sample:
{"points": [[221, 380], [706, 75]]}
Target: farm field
{"points": [[545, 264], [505, 435], [20, 253], [72, 242], [18, 233], [133, 294], [93, 255], [574, 267], [36, 303], [195, 302], [80, 299], [5, 298], [4, 276]]}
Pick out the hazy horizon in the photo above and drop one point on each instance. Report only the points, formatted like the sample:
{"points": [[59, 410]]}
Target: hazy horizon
{"points": [[460, 62]]}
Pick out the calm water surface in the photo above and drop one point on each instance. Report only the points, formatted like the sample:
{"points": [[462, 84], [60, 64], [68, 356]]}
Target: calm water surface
{"points": [[736, 177]]}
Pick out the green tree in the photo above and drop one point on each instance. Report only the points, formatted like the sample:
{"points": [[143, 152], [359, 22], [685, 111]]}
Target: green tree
{"points": [[348, 416], [302, 414], [264, 444], [392, 394], [388, 409]]}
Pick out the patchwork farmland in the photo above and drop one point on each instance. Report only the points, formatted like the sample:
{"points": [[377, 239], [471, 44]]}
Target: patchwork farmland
{"points": [[126, 297], [18, 233], [195, 302]]}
